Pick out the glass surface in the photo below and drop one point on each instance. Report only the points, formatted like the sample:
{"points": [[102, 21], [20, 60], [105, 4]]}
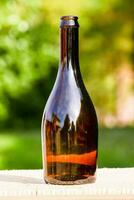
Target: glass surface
{"points": [[69, 123]]}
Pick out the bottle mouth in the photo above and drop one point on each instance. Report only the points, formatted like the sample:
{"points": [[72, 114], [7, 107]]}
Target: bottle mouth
{"points": [[69, 21], [69, 17]]}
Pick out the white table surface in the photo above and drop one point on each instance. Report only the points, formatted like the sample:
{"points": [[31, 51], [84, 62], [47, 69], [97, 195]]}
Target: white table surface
{"points": [[110, 184]]}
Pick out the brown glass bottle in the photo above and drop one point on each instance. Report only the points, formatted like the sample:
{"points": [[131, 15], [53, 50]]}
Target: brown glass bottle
{"points": [[69, 123]]}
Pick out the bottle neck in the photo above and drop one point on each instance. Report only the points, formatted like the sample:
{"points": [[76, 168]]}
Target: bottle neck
{"points": [[69, 49]]}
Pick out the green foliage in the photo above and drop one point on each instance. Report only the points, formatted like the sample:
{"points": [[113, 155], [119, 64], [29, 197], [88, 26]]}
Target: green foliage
{"points": [[114, 147], [27, 63], [29, 52], [20, 150]]}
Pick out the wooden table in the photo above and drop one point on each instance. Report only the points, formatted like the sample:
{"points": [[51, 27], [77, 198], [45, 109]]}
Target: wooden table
{"points": [[28, 184]]}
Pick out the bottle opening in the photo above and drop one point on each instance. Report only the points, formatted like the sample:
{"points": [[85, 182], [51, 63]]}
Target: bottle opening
{"points": [[69, 17], [69, 21]]}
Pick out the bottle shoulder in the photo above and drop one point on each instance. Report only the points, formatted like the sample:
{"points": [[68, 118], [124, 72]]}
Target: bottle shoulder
{"points": [[69, 97]]}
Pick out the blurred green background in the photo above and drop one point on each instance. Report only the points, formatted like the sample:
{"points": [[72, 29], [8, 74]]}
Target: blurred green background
{"points": [[29, 56]]}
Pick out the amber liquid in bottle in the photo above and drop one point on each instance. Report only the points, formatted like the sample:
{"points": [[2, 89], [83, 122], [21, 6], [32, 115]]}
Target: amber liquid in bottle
{"points": [[69, 123]]}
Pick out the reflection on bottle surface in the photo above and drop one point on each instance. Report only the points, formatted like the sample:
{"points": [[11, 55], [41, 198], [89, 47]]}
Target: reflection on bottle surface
{"points": [[69, 123]]}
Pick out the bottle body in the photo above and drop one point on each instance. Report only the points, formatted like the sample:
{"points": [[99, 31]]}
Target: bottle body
{"points": [[69, 123]]}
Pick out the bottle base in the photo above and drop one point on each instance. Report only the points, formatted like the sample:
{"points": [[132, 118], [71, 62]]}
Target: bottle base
{"points": [[73, 180]]}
